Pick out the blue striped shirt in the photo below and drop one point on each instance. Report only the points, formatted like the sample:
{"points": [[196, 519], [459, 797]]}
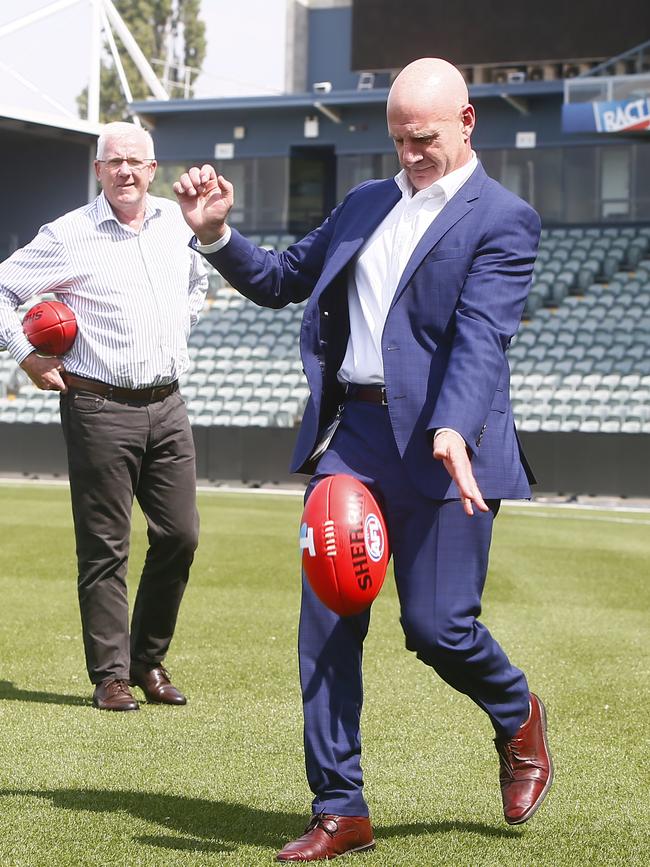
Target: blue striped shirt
{"points": [[135, 301]]}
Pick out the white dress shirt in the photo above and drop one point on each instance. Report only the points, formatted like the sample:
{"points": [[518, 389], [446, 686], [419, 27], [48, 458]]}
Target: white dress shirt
{"points": [[135, 293], [376, 272]]}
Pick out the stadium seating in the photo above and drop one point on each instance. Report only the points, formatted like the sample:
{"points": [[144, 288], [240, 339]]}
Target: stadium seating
{"points": [[245, 364], [581, 360]]}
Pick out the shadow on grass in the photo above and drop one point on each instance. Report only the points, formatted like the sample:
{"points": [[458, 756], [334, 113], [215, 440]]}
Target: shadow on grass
{"points": [[9, 692], [196, 824]]}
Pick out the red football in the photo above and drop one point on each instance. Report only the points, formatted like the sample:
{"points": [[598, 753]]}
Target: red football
{"points": [[344, 544], [50, 327]]}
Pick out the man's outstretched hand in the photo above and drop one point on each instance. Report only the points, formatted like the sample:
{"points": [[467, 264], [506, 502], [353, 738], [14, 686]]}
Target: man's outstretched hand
{"points": [[205, 199], [449, 447]]}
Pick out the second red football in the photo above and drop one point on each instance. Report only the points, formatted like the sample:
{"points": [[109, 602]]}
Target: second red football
{"points": [[51, 327]]}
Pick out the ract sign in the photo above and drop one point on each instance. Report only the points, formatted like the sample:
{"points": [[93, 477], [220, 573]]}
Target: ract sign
{"points": [[630, 115], [623, 116]]}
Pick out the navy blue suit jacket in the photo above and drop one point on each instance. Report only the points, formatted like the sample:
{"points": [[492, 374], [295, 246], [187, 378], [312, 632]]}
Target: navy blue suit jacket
{"points": [[458, 303]]}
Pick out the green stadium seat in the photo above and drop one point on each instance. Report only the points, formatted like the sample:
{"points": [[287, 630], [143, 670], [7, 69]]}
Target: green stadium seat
{"points": [[596, 351], [635, 253], [243, 392], [534, 301], [604, 365], [559, 290], [43, 416], [259, 420], [205, 419], [562, 410], [556, 353]]}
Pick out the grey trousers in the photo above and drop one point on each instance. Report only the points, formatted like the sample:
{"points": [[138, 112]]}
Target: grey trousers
{"points": [[118, 451]]}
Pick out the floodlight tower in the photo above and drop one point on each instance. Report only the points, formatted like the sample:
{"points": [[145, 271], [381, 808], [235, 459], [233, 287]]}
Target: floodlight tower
{"points": [[105, 21]]}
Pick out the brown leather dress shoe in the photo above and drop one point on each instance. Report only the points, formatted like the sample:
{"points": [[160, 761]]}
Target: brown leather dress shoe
{"points": [[327, 836], [114, 694], [154, 682], [526, 767]]}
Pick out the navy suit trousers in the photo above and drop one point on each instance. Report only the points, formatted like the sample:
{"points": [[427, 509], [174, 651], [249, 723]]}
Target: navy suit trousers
{"points": [[440, 558]]}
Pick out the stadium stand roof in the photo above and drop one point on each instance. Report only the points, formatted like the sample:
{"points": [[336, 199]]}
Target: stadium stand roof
{"points": [[12, 117]]}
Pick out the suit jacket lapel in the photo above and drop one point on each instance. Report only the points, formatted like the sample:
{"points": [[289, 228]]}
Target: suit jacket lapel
{"points": [[461, 204], [369, 209]]}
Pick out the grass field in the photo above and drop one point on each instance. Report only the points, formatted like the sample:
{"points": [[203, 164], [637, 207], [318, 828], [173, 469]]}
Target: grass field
{"points": [[221, 781]]}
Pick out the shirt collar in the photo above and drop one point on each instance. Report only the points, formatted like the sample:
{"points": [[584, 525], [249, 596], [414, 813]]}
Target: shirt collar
{"points": [[104, 212], [447, 185]]}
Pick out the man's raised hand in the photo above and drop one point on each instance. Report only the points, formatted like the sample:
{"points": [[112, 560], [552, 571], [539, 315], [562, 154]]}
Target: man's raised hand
{"points": [[205, 199]]}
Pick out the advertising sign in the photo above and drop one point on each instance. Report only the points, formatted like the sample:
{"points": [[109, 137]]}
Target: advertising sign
{"points": [[630, 115]]}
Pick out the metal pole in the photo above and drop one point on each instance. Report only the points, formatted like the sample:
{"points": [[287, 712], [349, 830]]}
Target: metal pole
{"points": [[134, 51], [26, 20], [94, 87], [94, 77], [124, 83]]}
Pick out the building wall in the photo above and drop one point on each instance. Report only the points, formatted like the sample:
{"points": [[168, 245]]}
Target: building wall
{"points": [[582, 179], [567, 178], [565, 463], [40, 179], [190, 136], [330, 48]]}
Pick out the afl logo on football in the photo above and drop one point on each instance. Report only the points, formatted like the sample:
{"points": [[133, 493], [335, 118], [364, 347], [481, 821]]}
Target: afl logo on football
{"points": [[373, 534], [306, 540]]}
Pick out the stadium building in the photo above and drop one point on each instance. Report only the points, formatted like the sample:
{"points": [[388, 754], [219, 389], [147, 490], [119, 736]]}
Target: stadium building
{"points": [[563, 120]]}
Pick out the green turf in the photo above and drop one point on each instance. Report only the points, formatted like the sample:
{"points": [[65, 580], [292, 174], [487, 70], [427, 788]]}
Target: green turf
{"points": [[221, 780]]}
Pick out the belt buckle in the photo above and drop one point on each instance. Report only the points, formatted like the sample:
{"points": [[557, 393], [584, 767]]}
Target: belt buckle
{"points": [[384, 399]]}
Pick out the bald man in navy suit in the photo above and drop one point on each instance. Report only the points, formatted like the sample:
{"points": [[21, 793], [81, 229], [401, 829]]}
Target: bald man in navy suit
{"points": [[415, 286]]}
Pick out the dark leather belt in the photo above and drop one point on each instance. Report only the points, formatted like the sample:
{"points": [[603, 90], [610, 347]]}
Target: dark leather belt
{"points": [[369, 393], [116, 392]]}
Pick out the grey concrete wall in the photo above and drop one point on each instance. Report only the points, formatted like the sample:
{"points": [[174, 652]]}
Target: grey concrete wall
{"points": [[570, 463]]}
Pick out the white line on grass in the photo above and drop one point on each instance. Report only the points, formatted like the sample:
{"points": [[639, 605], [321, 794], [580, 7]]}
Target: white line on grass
{"points": [[552, 509], [557, 508], [603, 519]]}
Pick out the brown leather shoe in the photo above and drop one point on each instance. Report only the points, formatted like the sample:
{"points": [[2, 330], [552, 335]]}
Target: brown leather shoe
{"points": [[327, 836], [526, 767], [154, 682], [114, 694]]}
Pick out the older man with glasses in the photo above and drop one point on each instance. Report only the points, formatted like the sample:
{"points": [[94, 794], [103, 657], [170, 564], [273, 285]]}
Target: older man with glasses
{"points": [[122, 264]]}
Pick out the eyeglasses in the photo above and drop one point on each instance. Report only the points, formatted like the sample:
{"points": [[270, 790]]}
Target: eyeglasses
{"points": [[115, 164]]}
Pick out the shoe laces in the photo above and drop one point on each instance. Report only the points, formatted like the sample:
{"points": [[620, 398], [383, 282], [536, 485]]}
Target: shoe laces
{"points": [[511, 758], [119, 685], [324, 821]]}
